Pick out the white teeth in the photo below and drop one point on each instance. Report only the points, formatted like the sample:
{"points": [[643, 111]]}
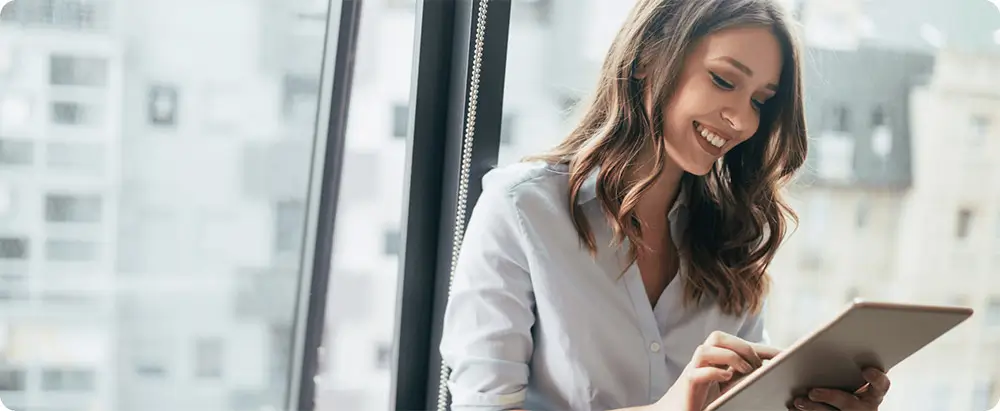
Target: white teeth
{"points": [[711, 137]]}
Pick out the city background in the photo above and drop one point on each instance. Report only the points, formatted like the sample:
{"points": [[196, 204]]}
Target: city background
{"points": [[154, 163]]}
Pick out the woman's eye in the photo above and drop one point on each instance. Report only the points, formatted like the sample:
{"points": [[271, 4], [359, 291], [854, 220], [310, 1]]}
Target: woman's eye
{"points": [[721, 82], [757, 104]]}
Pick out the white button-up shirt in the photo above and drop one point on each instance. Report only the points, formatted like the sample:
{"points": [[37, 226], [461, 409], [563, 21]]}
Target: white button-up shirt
{"points": [[535, 322]]}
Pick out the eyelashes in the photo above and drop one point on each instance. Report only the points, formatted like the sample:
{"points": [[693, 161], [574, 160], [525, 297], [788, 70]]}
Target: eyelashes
{"points": [[727, 86]]}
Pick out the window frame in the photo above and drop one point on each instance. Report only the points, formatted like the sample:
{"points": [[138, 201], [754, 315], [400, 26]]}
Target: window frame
{"points": [[439, 111], [437, 115]]}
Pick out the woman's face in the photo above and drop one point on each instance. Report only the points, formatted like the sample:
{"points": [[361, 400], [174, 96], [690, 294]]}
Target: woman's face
{"points": [[726, 79]]}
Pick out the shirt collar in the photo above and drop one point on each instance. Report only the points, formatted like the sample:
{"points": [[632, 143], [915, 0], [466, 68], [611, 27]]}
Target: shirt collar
{"points": [[588, 193]]}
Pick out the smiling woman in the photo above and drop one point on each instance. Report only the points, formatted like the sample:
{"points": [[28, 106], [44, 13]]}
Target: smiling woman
{"points": [[661, 209]]}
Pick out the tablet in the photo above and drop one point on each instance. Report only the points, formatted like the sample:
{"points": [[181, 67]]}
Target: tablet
{"points": [[865, 334]]}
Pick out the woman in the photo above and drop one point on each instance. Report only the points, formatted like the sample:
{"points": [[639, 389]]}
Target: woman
{"points": [[627, 267]]}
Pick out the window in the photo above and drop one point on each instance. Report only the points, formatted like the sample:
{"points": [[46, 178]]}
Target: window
{"points": [[288, 225], [16, 153], [76, 157], [71, 113], [391, 242], [67, 380], [841, 119], [209, 358], [78, 71], [12, 380], [878, 117], [71, 251], [162, 106], [13, 248], [400, 120], [64, 208], [300, 96], [150, 370], [131, 216], [67, 113], [963, 223], [62, 14]]}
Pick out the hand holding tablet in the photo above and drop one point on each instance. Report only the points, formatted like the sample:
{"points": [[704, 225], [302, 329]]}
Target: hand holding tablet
{"points": [[865, 335]]}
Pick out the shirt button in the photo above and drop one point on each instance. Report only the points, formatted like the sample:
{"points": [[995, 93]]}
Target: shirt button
{"points": [[654, 347]]}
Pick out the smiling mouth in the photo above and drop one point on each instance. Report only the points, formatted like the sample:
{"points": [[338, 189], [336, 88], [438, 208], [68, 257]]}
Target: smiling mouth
{"points": [[714, 139]]}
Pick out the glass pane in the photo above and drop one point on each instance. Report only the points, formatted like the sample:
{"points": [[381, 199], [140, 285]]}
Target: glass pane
{"points": [[360, 319], [153, 186], [893, 201]]}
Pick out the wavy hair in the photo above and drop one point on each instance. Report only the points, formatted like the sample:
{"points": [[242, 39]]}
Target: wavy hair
{"points": [[737, 215]]}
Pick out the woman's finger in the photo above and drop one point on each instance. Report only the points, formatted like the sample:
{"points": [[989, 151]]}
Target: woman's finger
{"points": [[878, 383], [735, 344], [705, 375], [712, 356], [765, 352]]}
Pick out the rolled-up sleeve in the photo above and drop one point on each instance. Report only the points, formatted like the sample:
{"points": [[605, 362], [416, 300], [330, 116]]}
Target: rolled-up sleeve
{"points": [[486, 338]]}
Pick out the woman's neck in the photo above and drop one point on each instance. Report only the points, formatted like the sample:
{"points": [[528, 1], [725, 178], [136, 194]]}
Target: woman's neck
{"points": [[656, 202]]}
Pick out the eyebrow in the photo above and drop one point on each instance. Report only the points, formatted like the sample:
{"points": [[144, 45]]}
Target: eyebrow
{"points": [[746, 70]]}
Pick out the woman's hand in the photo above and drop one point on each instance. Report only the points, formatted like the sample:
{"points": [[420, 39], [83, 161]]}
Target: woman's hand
{"points": [[711, 369], [867, 399]]}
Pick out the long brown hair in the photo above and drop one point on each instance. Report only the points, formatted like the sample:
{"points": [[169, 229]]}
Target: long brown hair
{"points": [[737, 215]]}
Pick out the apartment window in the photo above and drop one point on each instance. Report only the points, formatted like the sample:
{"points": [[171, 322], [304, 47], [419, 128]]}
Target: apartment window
{"points": [[71, 250], [208, 358], [841, 119], [878, 117], [14, 248], [391, 242], [993, 312], [71, 113], [400, 120], [67, 380], [12, 380], [67, 14], [300, 95], [67, 113], [162, 106], [288, 225], [150, 370], [81, 157], [963, 223], [383, 356], [78, 71], [63, 208], [508, 129], [16, 153]]}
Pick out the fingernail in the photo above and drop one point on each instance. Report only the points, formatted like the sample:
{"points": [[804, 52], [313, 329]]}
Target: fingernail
{"points": [[871, 373], [817, 394], [800, 404], [746, 368]]}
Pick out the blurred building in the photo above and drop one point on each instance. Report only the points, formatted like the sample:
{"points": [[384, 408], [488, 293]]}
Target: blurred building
{"points": [[61, 77]]}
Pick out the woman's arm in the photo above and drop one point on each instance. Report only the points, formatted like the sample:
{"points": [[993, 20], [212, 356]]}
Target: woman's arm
{"points": [[486, 338]]}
